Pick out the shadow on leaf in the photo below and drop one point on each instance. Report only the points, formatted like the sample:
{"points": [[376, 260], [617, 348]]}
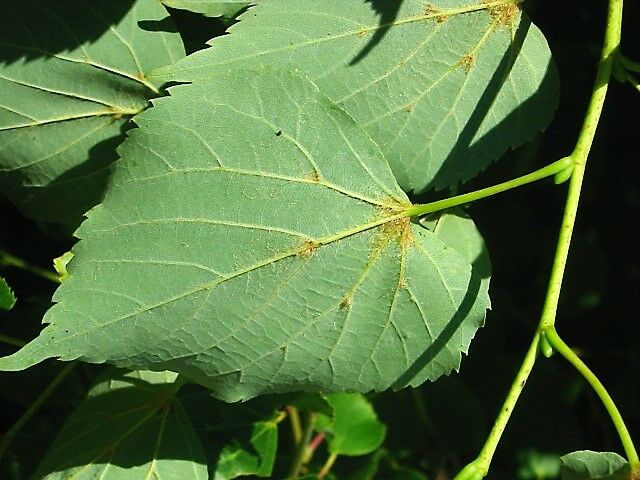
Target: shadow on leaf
{"points": [[41, 28], [388, 11], [515, 125]]}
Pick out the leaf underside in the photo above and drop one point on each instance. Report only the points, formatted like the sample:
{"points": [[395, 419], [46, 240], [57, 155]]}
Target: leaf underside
{"points": [[256, 242], [72, 73], [444, 87], [129, 427]]}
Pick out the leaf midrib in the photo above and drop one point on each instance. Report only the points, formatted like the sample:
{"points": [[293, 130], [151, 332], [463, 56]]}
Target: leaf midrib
{"points": [[215, 283]]}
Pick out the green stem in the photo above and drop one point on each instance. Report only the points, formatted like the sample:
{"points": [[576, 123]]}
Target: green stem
{"points": [[548, 171], [16, 342], [564, 350], [579, 156], [579, 159], [326, 468], [9, 435], [296, 426], [483, 461], [8, 260], [301, 448]]}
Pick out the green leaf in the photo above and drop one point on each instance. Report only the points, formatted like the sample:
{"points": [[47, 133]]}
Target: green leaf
{"points": [[268, 251], [444, 87], [7, 297], [588, 465], [71, 75], [456, 228], [60, 265], [312, 402], [534, 465], [355, 428], [255, 458], [210, 8], [240, 439], [129, 427]]}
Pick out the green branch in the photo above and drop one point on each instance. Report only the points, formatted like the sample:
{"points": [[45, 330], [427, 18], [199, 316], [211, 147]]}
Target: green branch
{"points": [[563, 349], [478, 468], [579, 157]]}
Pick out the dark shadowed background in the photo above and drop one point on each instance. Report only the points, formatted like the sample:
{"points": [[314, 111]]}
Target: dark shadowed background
{"points": [[441, 426]]}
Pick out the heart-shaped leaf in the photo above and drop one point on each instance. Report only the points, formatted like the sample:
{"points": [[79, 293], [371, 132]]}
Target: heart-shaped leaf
{"points": [[256, 241], [444, 86], [72, 73], [354, 428]]}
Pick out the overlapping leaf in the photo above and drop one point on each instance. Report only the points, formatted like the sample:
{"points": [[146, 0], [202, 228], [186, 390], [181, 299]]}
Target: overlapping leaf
{"points": [[444, 87], [71, 75], [354, 428], [588, 465], [210, 8], [130, 427], [257, 242]]}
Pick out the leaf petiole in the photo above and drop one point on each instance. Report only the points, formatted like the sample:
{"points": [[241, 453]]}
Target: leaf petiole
{"points": [[563, 349], [550, 170], [298, 460]]}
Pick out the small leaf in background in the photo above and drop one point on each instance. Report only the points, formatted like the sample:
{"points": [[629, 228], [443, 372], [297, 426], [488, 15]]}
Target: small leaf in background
{"points": [[7, 297], [444, 87], [312, 402], [255, 457], [71, 76], [129, 427], [588, 465], [272, 190], [210, 8], [239, 439], [60, 265], [355, 428], [534, 465]]}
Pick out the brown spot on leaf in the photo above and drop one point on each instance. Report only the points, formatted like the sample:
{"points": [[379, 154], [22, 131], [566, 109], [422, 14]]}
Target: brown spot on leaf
{"points": [[504, 15], [432, 12], [467, 62], [400, 230], [308, 248], [314, 176], [362, 33], [345, 303]]}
